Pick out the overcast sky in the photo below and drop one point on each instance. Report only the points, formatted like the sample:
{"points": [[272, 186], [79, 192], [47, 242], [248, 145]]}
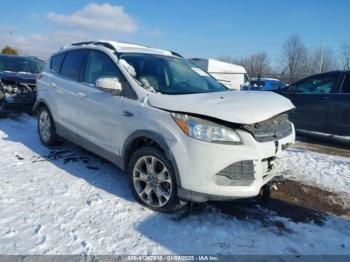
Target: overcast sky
{"points": [[192, 28]]}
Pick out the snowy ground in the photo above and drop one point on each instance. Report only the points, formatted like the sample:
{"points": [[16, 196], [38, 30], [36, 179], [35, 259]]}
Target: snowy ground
{"points": [[67, 201]]}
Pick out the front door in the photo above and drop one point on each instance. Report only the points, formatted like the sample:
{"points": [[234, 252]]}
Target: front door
{"points": [[311, 99], [101, 112], [339, 111]]}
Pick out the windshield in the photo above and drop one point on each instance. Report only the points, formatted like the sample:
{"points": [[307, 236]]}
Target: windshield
{"points": [[21, 64], [171, 75]]}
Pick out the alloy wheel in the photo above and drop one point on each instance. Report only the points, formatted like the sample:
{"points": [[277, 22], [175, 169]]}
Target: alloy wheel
{"points": [[45, 126], [152, 181]]}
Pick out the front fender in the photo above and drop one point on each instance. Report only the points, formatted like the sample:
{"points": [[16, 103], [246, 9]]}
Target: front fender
{"points": [[156, 138]]}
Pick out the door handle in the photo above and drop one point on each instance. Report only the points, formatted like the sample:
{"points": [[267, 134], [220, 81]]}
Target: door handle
{"points": [[128, 114], [82, 94]]}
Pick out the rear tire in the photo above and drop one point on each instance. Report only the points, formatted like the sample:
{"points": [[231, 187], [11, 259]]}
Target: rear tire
{"points": [[46, 128], [152, 180]]}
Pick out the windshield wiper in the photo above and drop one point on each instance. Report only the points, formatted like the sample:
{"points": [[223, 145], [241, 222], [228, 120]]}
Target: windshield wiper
{"points": [[180, 93]]}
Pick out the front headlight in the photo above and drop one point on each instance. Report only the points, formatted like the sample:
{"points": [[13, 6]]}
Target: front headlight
{"points": [[205, 130]]}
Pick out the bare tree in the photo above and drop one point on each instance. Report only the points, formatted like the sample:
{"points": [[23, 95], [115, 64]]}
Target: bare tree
{"points": [[256, 64], [345, 56], [292, 55], [297, 61], [307, 63], [324, 60]]}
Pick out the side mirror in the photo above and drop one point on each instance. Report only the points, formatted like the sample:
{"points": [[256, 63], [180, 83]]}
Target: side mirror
{"points": [[110, 84]]}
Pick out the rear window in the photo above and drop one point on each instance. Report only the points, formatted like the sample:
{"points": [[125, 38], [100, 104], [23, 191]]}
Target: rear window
{"points": [[56, 62], [72, 64]]}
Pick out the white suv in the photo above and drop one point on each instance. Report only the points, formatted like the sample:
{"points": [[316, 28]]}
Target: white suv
{"points": [[177, 132]]}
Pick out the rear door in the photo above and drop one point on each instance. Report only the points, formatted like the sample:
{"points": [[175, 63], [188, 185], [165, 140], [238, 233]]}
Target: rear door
{"points": [[49, 81], [70, 92], [311, 99], [339, 111]]}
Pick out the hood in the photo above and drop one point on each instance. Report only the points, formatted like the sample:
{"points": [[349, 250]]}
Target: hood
{"points": [[233, 106], [18, 77]]}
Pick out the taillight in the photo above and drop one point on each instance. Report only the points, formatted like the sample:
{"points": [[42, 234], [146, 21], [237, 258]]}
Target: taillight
{"points": [[39, 76]]}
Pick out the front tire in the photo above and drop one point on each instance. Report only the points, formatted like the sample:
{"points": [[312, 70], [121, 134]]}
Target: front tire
{"points": [[152, 180], [46, 128]]}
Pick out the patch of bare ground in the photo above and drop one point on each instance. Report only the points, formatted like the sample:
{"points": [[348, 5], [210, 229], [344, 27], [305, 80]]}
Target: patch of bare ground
{"points": [[309, 197], [293, 200]]}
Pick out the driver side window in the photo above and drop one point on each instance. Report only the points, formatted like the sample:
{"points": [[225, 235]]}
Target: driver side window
{"points": [[99, 65], [322, 84]]}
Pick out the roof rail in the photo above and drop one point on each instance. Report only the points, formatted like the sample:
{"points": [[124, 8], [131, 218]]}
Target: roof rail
{"points": [[176, 54], [82, 43], [114, 46], [105, 44], [101, 43]]}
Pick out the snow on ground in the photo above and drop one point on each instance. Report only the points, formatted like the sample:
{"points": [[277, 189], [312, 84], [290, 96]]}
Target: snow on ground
{"points": [[67, 201]]}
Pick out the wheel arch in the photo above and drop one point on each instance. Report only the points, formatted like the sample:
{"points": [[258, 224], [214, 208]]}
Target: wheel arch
{"points": [[142, 138], [42, 103], [39, 104]]}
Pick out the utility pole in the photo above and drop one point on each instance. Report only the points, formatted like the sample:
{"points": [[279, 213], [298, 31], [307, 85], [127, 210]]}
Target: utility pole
{"points": [[9, 39], [321, 60]]}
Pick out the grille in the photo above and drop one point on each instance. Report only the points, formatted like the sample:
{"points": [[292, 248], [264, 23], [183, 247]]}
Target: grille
{"points": [[237, 174], [272, 129]]}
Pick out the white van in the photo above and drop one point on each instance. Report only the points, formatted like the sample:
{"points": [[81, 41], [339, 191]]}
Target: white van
{"points": [[231, 75], [176, 131]]}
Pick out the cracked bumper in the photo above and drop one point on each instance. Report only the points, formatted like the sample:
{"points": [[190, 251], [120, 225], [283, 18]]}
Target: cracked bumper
{"points": [[202, 162]]}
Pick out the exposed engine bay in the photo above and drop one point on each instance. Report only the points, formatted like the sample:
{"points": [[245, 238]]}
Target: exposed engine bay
{"points": [[18, 83], [16, 95], [271, 129], [12, 88]]}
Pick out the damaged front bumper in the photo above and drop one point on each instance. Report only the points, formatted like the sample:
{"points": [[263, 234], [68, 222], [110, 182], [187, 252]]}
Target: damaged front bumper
{"points": [[17, 97], [224, 172]]}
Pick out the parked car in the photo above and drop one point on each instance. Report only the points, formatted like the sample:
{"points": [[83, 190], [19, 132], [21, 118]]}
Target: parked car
{"points": [[176, 131], [17, 82], [230, 75], [322, 103], [264, 84]]}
